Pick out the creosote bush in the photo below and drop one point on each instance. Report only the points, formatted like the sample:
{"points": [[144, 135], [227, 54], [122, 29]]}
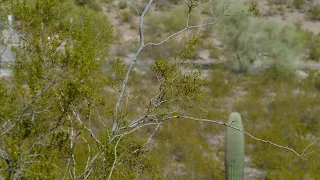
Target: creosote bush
{"points": [[55, 102]]}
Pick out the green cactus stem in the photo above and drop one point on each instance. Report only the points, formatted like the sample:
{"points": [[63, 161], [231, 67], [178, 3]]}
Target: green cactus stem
{"points": [[234, 149]]}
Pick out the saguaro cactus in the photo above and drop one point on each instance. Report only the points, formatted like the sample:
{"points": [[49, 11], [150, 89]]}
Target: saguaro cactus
{"points": [[235, 149]]}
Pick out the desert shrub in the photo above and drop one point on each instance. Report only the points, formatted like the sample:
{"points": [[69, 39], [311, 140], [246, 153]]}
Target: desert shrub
{"points": [[78, 14], [90, 3], [171, 20], [186, 152], [122, 4], [254, 45], [312, 42], [298, 3], [316, 80], [314, 13], [215, 52], [82, 2], [220, 83], [126, 16], [174, 1], [313, 45]]}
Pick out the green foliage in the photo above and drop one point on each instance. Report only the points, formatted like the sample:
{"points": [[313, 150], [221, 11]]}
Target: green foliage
{"points": [[178, 79], [174, 1], [220, 83], [234, 148], [185, 153], [119, 70], [170, 21], [314, 13], [136, 161], [254, 45], [3, 17], [162, 24], [271, 42], [298, 3], [76, 15], [53, 97], [284, 108], [90, 3], [253, 9], [126, 16], [312, 42], [122, 4]]}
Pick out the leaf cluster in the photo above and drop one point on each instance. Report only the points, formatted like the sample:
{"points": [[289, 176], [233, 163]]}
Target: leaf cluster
{"points": [[179, 79]]}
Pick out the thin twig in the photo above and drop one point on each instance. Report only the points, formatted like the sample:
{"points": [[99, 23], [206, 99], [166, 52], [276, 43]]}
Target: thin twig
{"points": [[115, 157], [26, 108], [149, 139], [185, 29], [244, 132], [305, 150], [134, 7], [80, 121], [134, 129]]}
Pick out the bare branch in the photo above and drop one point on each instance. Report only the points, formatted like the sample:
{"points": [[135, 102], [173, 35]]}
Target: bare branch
{"points": [[135, 128], [149, 139], [188, 19], [305, 150], [115, 157], [125, 81], [4, 155], [244, 132], [148, 115], [67, 169], [77, 116], [87, 170], [98, 114], [141, 22], [185, 29]]}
